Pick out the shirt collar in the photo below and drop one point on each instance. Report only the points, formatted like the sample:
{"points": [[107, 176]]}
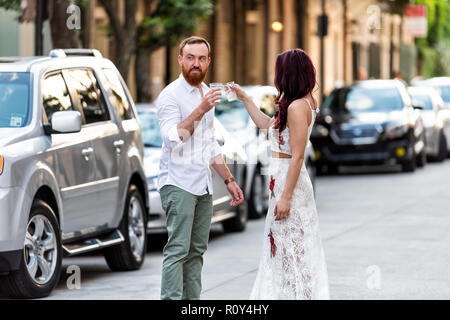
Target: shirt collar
{"points": [[190, 88]]}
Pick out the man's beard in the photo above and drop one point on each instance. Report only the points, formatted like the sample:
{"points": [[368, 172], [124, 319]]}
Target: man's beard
{"points": [[194, 78]]}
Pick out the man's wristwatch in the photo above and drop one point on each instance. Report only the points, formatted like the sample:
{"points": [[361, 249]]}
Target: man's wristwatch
{"points": [[230, 179]]}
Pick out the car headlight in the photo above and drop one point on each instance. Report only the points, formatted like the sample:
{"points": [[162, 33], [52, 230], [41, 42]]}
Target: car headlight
{"points": [[152, 183], [320, 131], [1, 164], [395, 130]]}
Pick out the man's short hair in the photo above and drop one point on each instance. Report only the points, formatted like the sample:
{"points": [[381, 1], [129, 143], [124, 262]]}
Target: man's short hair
{"points": [[194, 40]]}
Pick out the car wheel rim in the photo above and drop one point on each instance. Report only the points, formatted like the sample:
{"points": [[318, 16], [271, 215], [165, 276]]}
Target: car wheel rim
{"points": [[136, 230], [40, 249]]}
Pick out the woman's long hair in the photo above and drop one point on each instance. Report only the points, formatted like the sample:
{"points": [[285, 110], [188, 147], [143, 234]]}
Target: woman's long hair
{"points": [[295, 77]]}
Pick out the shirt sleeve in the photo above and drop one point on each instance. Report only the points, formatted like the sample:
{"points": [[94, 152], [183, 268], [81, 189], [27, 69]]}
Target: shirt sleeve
{"points": [[169, 116]]}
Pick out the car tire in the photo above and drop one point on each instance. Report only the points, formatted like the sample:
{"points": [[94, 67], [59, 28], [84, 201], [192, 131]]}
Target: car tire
{"points": [[421, 159], [42, 253], [239, 222], [442, 155], [257, 203], [130, 254], [410, 165]]}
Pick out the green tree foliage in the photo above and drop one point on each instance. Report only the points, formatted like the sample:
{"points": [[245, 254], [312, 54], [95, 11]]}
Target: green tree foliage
{"points": [[164, 26], [13, 5], [433, 49], [171, 20], [10, 4]]}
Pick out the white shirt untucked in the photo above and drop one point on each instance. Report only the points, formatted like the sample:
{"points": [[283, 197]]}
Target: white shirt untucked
{"points": [[185, 164]]}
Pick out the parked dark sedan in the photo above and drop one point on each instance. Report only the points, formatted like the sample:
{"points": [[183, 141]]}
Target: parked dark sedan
{"points": [[371, 122]]}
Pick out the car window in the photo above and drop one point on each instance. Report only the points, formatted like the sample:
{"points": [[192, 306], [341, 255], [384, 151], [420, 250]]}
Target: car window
{"points": [[360, 99], [444, 91], [232, 114], [14, 99], [335, 100], [89, 94], [422, 100], [151, 136], [117, 94], [55, 96]]}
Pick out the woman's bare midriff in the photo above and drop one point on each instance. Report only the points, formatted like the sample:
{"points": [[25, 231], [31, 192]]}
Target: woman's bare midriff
{"points": [[280, 155]]}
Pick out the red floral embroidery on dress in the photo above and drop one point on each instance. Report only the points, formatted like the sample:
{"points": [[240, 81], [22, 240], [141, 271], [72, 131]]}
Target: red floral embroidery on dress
{"points": [[272, 185], [273, 247], [280, 139]]}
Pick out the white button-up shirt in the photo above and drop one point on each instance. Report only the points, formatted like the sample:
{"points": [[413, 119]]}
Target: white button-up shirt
{"points": [[185, 164]]}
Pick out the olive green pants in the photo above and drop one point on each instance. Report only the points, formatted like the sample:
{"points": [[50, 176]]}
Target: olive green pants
{"points": [[188, 224]]}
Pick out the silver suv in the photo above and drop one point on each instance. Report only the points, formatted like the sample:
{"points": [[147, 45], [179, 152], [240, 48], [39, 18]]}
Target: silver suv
{"points": [[71, 169]]}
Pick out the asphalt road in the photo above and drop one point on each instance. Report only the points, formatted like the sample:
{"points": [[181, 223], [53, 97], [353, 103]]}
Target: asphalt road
{"points": [[386, 235]]}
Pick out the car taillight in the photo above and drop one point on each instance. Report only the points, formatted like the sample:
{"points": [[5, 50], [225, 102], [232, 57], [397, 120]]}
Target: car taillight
{"points": [[1, 164]]}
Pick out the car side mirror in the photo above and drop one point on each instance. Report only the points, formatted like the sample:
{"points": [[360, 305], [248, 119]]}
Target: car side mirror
{"points": [[64, 122], [417, 107]]}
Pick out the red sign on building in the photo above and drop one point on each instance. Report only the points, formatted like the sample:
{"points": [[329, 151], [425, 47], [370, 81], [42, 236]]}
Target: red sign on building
{"points": [[416, 20]]}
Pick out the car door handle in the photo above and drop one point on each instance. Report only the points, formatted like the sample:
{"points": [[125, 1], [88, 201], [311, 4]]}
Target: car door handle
{"points": [[118, 143], [87, 151]]}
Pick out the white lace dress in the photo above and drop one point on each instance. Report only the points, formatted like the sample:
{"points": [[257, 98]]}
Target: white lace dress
{"points": [[292, 265]]}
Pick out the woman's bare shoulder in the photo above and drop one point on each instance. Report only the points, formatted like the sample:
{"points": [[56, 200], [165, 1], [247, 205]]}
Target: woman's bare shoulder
{"points": [[299, 109]]}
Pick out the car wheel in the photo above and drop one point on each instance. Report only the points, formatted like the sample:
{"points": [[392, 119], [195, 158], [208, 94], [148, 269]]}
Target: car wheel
{"points": [[257, 204], [239, 221], [410, 166], [442, 148], [422, 159], [130, 254], [40, 265]]}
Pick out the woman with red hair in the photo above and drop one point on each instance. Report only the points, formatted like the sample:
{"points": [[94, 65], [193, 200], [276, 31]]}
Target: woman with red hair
{"points": [[292, 264]]}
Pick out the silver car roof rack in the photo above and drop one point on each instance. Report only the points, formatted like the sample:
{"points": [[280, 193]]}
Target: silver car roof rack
{"points": [[61, 53]]}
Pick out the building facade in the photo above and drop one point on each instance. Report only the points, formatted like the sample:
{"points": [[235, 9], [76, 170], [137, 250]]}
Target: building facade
{"points": [[363, 39]]}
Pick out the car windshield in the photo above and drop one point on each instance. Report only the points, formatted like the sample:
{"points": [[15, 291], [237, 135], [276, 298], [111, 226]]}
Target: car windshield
{"points": [[422, 100], [232, 115], [360, 99], [150, 130], [14, 99], [444, 91]]}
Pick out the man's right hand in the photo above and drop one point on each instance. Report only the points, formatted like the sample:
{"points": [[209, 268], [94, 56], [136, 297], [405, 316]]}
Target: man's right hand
{"points": [[211, 99]]}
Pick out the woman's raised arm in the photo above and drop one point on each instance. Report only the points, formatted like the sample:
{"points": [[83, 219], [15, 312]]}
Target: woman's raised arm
{"points": [[261, 120]]}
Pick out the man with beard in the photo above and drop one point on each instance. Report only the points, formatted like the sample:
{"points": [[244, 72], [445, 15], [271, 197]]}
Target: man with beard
{"points": [[186, 115]]}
